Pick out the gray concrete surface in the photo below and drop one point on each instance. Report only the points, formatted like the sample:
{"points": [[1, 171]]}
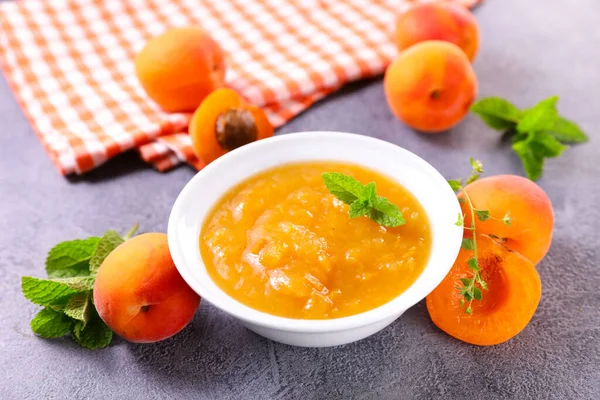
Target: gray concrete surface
{"points": [[531, 50]]}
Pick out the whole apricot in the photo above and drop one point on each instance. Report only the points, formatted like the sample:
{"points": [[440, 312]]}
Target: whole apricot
{"points": [[179, 68], [430, 86], [446, 21], [139, 293], [530, 212]]}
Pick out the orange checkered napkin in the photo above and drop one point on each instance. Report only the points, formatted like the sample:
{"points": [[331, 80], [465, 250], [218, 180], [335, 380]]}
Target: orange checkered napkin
{"points": [[70, 64]]}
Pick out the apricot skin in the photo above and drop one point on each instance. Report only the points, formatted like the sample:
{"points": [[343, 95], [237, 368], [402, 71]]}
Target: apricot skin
{"points": [[179, 68], [430, 86], [438, 21], [139, 293], [530, 231]]}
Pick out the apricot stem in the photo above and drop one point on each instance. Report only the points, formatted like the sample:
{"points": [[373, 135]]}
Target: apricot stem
{"points": [[235, 128], [144, 308], [131, 232], [476, 276]]}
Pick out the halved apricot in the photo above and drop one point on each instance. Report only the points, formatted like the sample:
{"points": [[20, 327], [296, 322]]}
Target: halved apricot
{"points": [[223, 122], [506, 307]]}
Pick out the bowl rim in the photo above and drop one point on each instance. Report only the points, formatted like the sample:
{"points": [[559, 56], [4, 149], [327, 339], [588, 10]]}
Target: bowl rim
{"points": [[394, 307]]}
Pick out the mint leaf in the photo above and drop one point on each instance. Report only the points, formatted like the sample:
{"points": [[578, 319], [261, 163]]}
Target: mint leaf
{"points": [[50, 324], [344, 187], [545, 145], [76, 330], [94, 335], [567, 131], [359, 209], [467, 244], [70, 258], [477, 293], [455, 184], [52, 292], [386, 213], [370, 192], [533, 163], [497, 113], [78, 307], [541, 117], [110, 241], [465, 281], [363, 199]]}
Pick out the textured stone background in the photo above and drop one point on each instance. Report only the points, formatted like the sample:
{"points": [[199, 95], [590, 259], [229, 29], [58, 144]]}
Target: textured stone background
{"points": [[531, 50]]}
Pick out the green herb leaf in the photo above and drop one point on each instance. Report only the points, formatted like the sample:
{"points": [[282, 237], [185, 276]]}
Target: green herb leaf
{"points": [[482, 283], [71, 258], [482, 215], [546, 145], [94, 335], [476, 170], [476, 165], [497, 113], [567, 131], [533, 163], [51, 292], [467, 244], [386, 213], [363, 200], [76, 330], [477, 293], [455, 184], [465, 281], [507, 219], [50, 324], [460, 221], [344, 187], [541, 117], [370, 192], [359, 209], [537, 132], [78, 307], [473, 264], [110, 241], [469, 310]]}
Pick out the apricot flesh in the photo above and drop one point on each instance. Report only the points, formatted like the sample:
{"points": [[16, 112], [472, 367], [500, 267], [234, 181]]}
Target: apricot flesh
{"points": [[530, 231], [505, 309], [445, 21], [430, 86], [140, 294]]}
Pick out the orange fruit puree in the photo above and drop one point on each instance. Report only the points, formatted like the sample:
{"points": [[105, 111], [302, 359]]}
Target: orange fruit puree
{"points": [[279, 242]]}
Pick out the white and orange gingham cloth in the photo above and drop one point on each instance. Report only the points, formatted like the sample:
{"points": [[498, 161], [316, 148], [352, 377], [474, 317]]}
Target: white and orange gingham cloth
{"points": [[70, 65]]}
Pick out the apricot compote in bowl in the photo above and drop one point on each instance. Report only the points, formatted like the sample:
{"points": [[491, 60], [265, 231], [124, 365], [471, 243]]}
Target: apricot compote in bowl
{"points": [[205, 189]]}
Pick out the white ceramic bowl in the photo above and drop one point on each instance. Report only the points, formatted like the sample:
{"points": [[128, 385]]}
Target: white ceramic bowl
{"points": [[200, 194]]}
